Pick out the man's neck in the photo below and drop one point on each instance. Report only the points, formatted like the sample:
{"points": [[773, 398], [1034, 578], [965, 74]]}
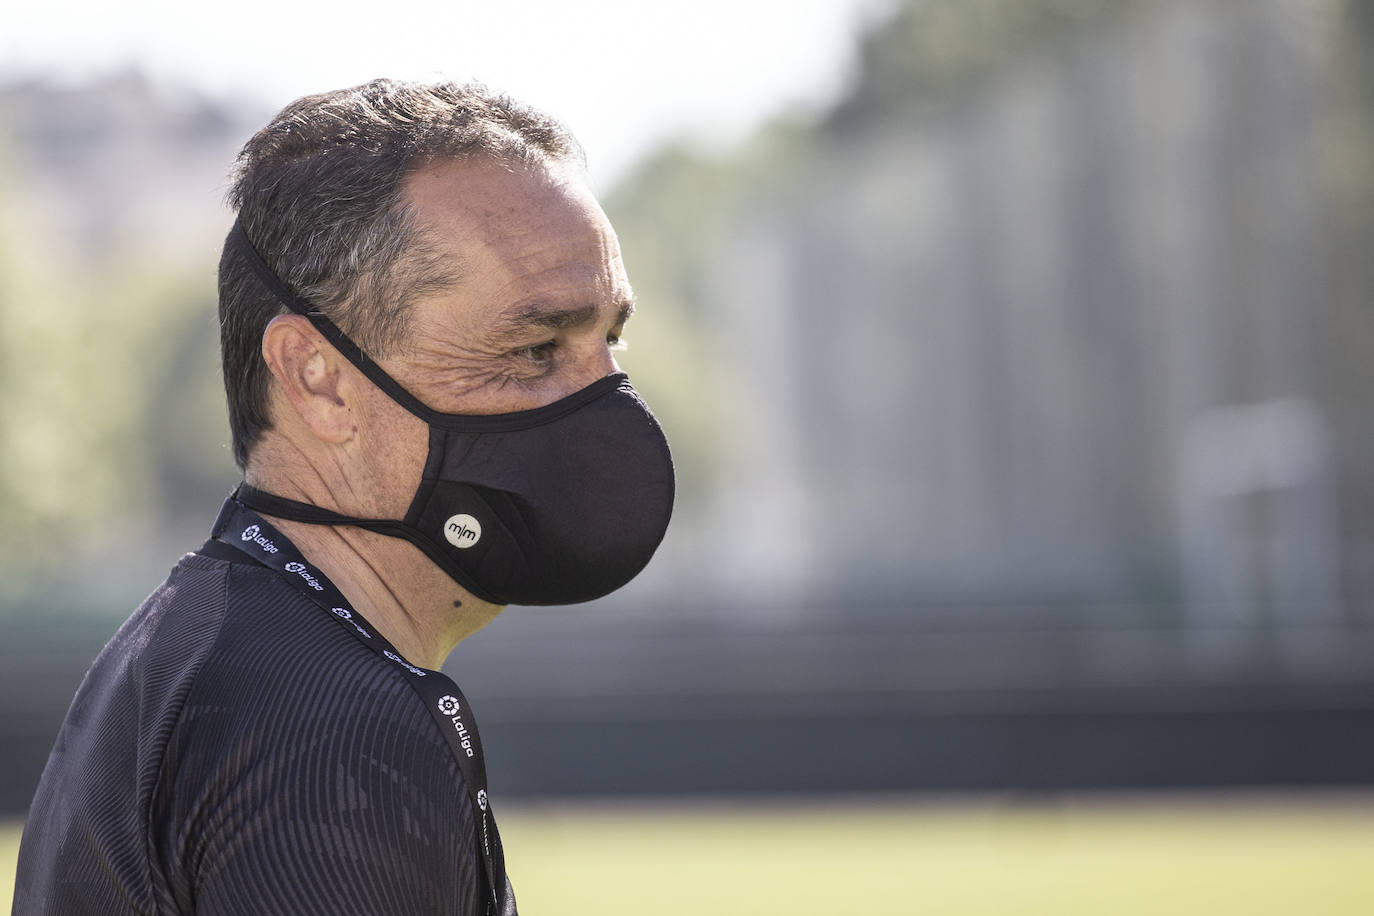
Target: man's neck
{"points": [[412, 602]]}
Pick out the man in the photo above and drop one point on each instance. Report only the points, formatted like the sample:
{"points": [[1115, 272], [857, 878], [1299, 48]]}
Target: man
{"points": [[419, 302]]}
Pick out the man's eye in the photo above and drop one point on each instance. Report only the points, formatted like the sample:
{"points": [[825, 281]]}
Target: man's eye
{"points": [[540, 353]]}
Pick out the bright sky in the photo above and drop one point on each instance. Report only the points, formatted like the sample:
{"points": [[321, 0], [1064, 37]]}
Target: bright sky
{"points": [[622, 73]]}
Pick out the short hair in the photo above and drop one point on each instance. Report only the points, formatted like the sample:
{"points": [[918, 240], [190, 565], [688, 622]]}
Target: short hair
{"points": [[320, 192]]}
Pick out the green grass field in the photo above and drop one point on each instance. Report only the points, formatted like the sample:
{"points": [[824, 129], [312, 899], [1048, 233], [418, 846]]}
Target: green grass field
{"points": [[1158, 855]]}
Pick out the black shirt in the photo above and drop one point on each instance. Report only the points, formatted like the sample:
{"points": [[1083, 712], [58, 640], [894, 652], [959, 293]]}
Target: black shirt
{"points": [[234, 751]]}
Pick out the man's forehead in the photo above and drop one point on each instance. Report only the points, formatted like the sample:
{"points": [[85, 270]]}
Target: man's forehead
{"points": [[472, 211], [531, 244], [492, 199]]}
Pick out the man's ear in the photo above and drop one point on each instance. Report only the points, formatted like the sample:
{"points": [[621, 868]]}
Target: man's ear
{"points": [[310, 374]]}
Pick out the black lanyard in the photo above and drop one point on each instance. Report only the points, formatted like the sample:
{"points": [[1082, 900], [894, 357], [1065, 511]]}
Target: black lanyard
{"points": [[242, 528]]}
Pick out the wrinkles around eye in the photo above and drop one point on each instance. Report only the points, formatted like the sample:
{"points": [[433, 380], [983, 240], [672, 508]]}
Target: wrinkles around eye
{"points": [[543, 354], [539, 354]]}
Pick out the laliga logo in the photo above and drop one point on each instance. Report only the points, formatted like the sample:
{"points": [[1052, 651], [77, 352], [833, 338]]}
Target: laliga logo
{"points": [[403, 663], [482, 799], [300, 570], [344, 613], [448, 705], [254, 534]]}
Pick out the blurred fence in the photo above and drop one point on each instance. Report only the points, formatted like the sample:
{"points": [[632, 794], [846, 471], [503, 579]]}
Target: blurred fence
{"points": [[588, 704]]}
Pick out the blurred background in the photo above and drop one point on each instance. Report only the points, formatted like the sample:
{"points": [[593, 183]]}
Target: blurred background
{"points": [[1015, 355]]}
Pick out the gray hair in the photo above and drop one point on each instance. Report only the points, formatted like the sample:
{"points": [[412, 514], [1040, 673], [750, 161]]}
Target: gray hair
{"points": [[320, 192]]}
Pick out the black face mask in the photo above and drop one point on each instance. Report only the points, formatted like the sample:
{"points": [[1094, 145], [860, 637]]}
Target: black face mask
{"points": [[555, 505]]}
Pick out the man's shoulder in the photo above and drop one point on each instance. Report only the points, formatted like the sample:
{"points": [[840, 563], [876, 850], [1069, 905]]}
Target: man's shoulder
{"points": [[160, 648], [274, 641], [154, 654], [268, 750], [286, 680], [301, 737], [224, 655], [91, 803]]}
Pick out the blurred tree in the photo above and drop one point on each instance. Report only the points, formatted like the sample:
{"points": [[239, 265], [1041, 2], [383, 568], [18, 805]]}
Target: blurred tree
{"points": [[112, 428], [672, 213], [110, 404], [1346, 148], [1079, 156], [932, 51]]}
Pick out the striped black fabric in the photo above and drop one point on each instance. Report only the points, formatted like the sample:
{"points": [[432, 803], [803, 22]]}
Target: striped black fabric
{"points": [[234, 751]]}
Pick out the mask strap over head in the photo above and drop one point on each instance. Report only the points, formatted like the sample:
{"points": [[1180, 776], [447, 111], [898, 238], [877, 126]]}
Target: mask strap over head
{"points": [[288, 297]]}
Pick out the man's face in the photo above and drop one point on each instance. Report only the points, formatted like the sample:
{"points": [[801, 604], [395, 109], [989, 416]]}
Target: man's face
{"points": [[542, 297], [541, 303]]}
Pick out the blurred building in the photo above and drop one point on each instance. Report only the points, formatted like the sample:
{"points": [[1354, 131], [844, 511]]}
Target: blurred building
{"points": [[121, 167], [1046, 315]]}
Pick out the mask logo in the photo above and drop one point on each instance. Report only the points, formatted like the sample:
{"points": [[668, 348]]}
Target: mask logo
{"points": [[343, 612], [482, 799], [462, 531], [448, 705], [250, 532]]}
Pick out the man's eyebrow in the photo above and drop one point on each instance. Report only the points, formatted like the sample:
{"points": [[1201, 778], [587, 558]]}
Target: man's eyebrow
{"points": [[560, 319]]}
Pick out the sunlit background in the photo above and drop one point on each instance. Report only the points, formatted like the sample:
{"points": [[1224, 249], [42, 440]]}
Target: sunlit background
{"points": [[1016, 356]]}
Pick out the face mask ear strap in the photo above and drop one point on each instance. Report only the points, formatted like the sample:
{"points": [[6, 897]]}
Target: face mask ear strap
{"points": [[281, 507], [350, 351]]}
